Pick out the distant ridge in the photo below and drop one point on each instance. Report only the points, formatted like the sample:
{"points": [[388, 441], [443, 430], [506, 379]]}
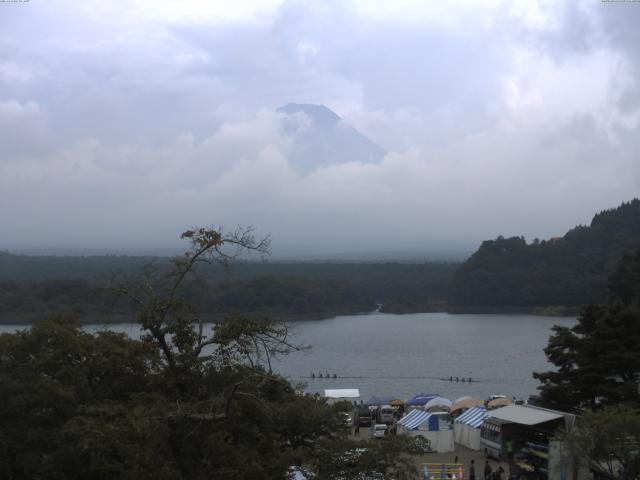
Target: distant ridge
{"points": [[557, 276], [321, 139]]}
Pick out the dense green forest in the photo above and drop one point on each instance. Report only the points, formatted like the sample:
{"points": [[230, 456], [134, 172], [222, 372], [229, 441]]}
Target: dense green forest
{"points": [[185, 401], [566, 272], [553, 276], [31, 286]]}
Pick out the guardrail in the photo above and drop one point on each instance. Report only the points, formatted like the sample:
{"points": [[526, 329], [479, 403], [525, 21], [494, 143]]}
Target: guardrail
{"points": [[443, 471]]}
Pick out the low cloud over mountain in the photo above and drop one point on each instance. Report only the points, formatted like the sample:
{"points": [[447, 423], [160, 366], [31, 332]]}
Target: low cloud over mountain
{"points": [[122, 125], [321, 138]]}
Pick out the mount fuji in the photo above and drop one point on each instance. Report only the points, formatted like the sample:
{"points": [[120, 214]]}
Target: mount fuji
{"points": [[320, 138]]}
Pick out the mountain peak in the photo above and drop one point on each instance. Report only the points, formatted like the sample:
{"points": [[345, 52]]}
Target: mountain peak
{"points": [[325, 139], [320, 114]]}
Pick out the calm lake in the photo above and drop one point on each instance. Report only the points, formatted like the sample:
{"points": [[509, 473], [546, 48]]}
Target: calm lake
{"points": [[400, 355]]}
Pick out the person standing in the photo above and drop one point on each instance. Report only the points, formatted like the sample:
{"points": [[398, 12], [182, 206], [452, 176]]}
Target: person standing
{"points": [[510, 452], [487, 470], [472, 471]]}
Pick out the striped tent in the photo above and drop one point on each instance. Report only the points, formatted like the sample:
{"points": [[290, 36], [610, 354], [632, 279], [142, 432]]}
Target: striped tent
{"points": [[415, 419], [427, 425], [466, 428], [408, 417], [473, 417]]}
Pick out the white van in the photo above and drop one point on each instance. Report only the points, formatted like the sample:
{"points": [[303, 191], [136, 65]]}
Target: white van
{"points": [[386, 414]]}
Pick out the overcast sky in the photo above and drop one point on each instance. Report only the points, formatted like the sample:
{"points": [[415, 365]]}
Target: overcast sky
{"points": [[122, 123]]}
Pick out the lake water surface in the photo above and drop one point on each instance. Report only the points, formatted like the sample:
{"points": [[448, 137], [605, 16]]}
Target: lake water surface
{"points": [[400, 355]]}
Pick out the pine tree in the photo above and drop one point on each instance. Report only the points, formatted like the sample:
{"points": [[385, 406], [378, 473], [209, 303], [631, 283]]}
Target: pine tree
{"points": [[598, 360]]}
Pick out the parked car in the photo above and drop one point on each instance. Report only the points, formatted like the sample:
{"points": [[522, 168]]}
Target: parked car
{"points": [[364, 418], [347, 418], [379, 430], [495, 397]]}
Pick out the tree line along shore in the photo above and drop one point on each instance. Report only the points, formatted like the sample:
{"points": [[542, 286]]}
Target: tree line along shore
{"points": [[505, 275], [188, 400]]}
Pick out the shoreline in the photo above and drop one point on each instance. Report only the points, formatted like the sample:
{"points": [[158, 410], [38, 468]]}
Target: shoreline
{"points": [[26, 319]]}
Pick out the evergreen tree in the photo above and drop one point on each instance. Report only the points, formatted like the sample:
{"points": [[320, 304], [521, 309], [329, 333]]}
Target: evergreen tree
{"points": [[564, 272], [598, 359]]}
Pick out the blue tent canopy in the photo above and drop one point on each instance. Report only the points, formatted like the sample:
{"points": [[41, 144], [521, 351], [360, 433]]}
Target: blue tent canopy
{"points": [[473, 417], [421, 399]]}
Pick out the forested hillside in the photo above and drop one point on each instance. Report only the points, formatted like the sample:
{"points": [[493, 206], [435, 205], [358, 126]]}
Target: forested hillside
{"points": [[506, 274], [566, 272], [31, 286], [185, 401]]}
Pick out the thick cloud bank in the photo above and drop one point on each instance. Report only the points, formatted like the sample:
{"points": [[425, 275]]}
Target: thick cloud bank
{"points": [[123, 124]]}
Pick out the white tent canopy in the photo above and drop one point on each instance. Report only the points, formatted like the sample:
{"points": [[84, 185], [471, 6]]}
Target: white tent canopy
{"points": [[342, 394], [525, 414], [438, 402]]}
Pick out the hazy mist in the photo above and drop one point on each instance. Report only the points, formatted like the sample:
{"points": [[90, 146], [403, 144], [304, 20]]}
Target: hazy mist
{"points": [[124, 123]]}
